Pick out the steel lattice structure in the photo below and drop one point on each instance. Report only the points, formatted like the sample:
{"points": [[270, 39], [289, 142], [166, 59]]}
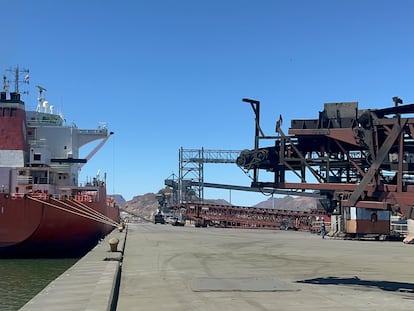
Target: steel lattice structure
{"points": [[191, 170]]}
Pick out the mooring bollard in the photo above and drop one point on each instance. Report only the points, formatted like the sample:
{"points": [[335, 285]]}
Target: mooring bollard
{"points": [[122, 226], [113, 243]]}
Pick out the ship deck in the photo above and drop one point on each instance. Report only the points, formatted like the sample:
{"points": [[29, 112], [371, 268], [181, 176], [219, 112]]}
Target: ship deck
{"points": [[163, 267]]}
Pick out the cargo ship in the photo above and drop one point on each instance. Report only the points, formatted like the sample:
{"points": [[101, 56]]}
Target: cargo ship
{"points": [[44, 210]]}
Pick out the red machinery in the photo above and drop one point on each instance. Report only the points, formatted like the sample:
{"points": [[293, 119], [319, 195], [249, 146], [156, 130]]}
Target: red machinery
{"points": [[230, 216], [361, 161]]}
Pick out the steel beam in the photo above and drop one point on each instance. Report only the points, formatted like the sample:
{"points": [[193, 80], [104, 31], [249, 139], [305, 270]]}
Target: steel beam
{"points": [[382, 153]]}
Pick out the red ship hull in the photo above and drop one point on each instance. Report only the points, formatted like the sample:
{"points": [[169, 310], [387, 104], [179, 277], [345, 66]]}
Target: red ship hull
{"points": [[49, 227], [43, 209]]}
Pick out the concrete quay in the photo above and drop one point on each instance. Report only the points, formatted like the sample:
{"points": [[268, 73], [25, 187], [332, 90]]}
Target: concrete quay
{"points": [[186, 268], [90, 284]]}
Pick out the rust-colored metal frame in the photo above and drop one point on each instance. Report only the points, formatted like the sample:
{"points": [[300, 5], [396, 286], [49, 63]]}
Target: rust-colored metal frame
{"points": [[347, 163], [230, 216]]}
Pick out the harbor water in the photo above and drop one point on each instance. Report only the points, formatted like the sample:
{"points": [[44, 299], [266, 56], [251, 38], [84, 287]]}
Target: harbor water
{"points": [[22, 279]]}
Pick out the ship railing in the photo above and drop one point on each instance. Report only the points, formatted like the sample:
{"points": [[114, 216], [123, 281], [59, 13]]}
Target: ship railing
{"points": [[39, 195], [45, 119], [84, 198], [60, 197], [24, 180], [16, 196], [37, 143], [64, 197], [99, 131], [61, 167]]}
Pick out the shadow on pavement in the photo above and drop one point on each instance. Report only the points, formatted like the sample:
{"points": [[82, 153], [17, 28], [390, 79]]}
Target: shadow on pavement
{"points": [[355, 281]]}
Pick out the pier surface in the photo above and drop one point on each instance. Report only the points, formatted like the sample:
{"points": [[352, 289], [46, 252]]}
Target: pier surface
{"points": [[186, 268]]}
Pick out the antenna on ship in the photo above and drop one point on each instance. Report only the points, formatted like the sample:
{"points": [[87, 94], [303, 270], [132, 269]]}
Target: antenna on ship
{"points": [[5, 84], [26, 79], [41, 99], [16, 72]]}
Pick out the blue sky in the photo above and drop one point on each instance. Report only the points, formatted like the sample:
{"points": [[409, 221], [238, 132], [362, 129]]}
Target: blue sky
{"points": [[171, 74]]}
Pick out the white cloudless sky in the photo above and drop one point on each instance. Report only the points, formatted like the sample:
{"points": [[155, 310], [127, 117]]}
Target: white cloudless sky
{"points": [[168, 74]]}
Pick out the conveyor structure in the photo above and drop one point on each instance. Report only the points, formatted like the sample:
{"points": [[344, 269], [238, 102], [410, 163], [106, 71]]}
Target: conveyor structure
{"points": [[362, 160]]}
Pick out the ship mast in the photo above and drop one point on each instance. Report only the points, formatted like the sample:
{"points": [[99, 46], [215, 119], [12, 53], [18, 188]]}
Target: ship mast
{"points": [[40, 99], [5, 84], [17, 72]]}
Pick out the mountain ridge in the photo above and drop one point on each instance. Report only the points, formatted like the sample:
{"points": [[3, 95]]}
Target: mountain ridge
{"points": [[147, 204]]}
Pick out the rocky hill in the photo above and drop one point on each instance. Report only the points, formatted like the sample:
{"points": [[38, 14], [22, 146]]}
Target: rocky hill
{"points": [[142, 205], [147, 204], [119, 199]]}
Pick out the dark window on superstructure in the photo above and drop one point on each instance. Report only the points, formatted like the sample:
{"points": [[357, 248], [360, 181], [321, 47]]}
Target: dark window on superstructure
{"points": [[37, 157], [6, 112], [13, 112]]}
